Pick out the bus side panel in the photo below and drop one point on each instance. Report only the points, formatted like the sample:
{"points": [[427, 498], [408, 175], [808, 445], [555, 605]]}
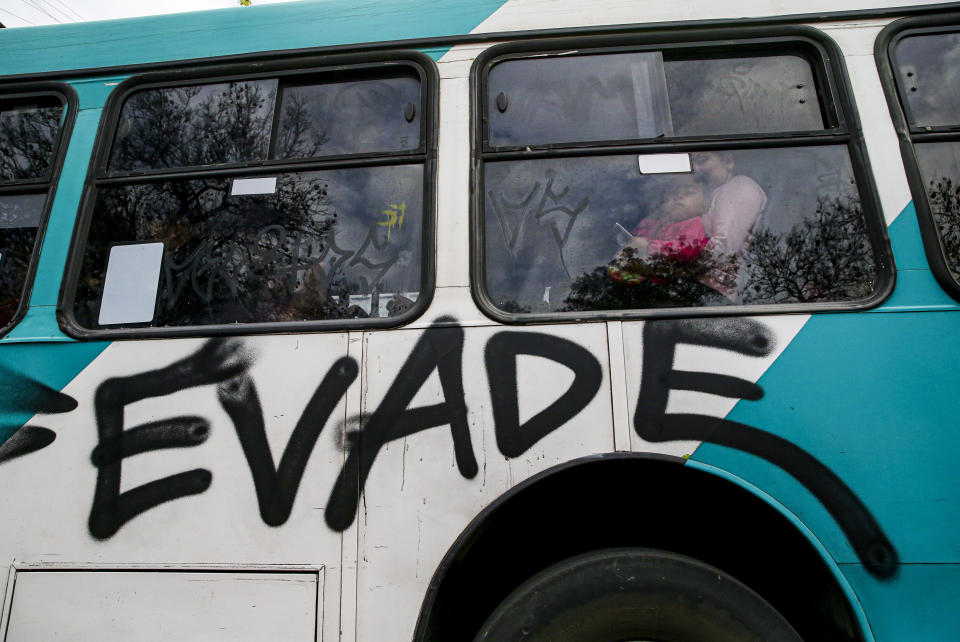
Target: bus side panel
{"points": [[206, 424]]}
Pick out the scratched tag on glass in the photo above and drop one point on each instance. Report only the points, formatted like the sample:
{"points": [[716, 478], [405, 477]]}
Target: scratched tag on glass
{"points": [[130, 287]]}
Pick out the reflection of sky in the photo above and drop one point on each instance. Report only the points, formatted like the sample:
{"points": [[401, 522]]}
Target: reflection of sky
{"points": [[621, 96], [929, 73], [742, 95], [939, 160], [795, 180], [23, 210], [358, 117], [360, 197], [577, 98]]}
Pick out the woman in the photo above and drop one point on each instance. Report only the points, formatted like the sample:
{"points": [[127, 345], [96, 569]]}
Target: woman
{"points": [[736, 202]]}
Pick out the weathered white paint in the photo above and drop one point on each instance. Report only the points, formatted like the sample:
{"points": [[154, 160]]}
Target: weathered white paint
{"points": [[856, 40], [150, 606], [416, 502], [45, 518]]}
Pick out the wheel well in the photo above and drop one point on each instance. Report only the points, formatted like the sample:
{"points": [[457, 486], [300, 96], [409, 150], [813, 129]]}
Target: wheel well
{"points": [[627, 500]]}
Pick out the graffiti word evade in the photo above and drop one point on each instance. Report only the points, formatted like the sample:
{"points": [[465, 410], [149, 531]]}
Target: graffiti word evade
{"points": [[225, 363]]}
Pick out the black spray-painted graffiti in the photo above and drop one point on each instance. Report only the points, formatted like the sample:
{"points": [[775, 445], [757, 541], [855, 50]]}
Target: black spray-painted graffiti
{"points": [[224, 363], [218, 266], [748, 337], [22, 395]]}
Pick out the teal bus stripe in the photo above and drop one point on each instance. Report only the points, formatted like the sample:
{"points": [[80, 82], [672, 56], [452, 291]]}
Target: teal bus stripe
{"points": [[216, 33], [873, 396], [54, 365]]}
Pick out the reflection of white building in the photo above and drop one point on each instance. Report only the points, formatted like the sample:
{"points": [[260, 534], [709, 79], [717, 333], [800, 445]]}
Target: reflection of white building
{"points": [[380, 309]]}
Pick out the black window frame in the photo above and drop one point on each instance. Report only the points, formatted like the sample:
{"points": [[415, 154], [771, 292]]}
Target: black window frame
{"points": [[70, 104], [841, 127], [297, 71], [884, 54]]}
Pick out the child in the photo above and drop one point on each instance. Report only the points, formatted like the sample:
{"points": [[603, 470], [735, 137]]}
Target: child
{"points": [[671, 237]]}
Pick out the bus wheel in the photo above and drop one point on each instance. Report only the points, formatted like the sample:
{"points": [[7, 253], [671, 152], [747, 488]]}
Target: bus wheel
{"points": [[634, 595]]}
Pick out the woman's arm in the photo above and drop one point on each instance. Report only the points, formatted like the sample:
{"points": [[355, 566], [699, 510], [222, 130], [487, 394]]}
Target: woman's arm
{"points": [[734, 209]]}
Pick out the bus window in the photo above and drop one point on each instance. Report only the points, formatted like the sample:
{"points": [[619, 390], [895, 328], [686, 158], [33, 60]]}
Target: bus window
{"points": [[30, 129], [642, 180], [328, 229], [927, 72]]}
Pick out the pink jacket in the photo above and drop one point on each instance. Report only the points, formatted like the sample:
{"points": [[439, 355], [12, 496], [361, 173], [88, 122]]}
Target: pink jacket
{"points": [[683, 241]]}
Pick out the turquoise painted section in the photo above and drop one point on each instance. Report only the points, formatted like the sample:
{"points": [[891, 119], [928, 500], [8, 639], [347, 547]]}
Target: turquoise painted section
{"points": [[905, 238], [920, 605], [215, 33], [917, 290], [92, 93], [831, 565], [916, 287], [873, 396], [52, 364], [38, 325]]}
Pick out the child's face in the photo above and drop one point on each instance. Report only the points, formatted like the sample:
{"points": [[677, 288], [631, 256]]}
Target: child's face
{"points": [[684, 201]]}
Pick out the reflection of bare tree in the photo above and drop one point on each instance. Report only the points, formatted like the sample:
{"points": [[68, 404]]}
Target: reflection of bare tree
{"points": [[228, 259], [945, 204], [826, 257], [299, 136], [17, 247], [634, 283], [180, 127], [27, 137]]}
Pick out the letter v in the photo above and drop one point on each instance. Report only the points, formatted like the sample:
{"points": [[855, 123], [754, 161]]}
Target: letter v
{"points": [[277, 487]]}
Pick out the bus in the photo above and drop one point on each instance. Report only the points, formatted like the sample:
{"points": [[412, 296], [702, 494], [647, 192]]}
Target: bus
{"points": [[487, 320]]}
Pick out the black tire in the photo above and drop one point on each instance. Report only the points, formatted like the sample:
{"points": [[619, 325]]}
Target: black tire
{"points": [[621, 595]]}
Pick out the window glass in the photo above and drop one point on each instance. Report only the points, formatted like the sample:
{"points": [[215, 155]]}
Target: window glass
{"points": [[28, 132], [20, 217], [928, 69], [322, 245], [609, 97], [334, 118], [313, 237], [748, 217], [940, 169], [193, 126], [559, 232], [742, 95]]}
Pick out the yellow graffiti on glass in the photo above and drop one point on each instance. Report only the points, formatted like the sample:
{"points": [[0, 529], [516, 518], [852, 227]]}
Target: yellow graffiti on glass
{"points": [[394, 217]]}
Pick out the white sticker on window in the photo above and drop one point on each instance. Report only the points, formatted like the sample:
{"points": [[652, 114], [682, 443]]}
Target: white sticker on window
{"points": [[664, 163], [130, 287], [248, 186]]}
